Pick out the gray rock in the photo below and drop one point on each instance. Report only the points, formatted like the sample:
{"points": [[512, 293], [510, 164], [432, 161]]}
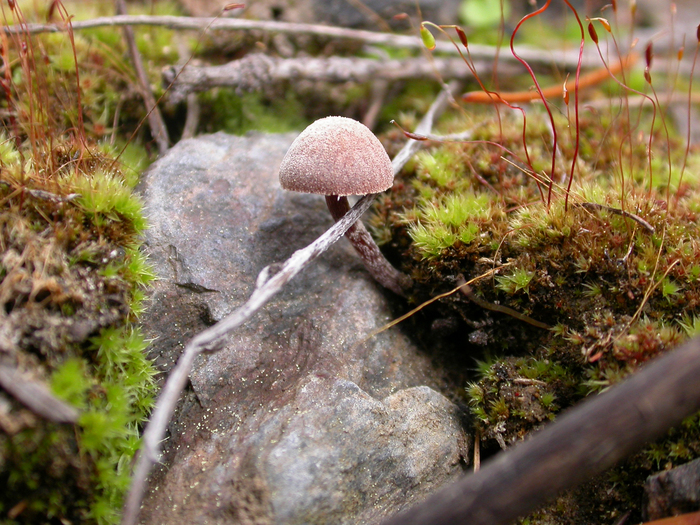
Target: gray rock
{"points": [[336, 12], [349, 14], [303, 417], [673, 492]]}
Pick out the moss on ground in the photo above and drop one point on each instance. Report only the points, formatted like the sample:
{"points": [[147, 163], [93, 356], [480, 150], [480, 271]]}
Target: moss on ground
{"points": [[570, 295], [72, 277], [72, 280]]}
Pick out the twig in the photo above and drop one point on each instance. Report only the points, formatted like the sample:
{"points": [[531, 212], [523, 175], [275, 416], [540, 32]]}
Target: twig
{"points": [[430, 301], [257, 71], [592, 79], [36, 396], [155, 119], [692, 518], [44, 195], [379, 92], [534, 56], [469, 294], [266, 288], [580, 444], [194, 111], [594, 206]]}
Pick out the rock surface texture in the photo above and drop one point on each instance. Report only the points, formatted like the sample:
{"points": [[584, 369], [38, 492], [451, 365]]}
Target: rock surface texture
{"points": [[301, 417], [673, 492], [336, 12]]}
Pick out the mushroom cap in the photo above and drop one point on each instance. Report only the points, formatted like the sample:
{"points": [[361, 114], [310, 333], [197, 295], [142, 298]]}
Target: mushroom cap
{"points": [[336, 156]]}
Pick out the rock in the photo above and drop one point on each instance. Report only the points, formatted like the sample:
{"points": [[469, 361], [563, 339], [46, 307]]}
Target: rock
{"points": [[303, 416], [673, 492], [335, 12], [349, 14]]}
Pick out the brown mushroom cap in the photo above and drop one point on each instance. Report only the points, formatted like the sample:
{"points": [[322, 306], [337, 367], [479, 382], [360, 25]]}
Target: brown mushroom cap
{"points": [[336, 156]]}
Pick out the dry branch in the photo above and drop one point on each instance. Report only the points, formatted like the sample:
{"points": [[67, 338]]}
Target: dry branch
{"points": [[266, 287], [155, 119], [582, 443], [257, 71], [478, 52]]}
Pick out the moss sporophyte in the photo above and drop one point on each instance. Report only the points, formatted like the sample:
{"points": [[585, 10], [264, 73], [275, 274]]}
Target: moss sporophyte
{"points": [[72, 282], [589, 216]]}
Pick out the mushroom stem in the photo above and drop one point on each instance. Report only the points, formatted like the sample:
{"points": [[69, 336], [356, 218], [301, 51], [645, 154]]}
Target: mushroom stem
{"points": [[377, 265]]}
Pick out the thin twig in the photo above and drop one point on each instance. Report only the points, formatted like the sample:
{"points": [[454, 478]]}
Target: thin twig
{"points": [[194, 112], [590, 80], [155, 119], [210, 339], [595, 206], [430, 301], [380, 89], [469, 294], [692, 518], [36, 396], [534, 56], [43, 194]]}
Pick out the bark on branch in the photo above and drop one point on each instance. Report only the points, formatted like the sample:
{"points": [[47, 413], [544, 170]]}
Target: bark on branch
{"points": [[478, 52], [257, 71]]}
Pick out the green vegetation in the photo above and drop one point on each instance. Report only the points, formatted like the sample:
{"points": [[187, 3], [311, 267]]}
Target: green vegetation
{"points": [[73, 276], [73, 280], [589, 284]]}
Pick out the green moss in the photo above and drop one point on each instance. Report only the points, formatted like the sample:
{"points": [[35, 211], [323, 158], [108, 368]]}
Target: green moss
{"points": [[516, 395], [72, 280], [519, 280], [106, 198], [115, 396], [92, 271], [612, 266], [225, 110]]}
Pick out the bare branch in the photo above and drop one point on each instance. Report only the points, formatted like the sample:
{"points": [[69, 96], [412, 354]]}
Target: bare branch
{"points": [[266, 288], [155, 119], [583, 442], [257, 71], [478, 52]]}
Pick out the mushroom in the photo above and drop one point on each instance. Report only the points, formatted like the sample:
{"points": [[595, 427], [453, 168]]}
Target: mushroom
{"points": [[336, 157]]}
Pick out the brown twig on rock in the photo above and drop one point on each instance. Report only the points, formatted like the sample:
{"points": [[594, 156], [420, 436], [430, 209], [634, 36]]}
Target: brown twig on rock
{"points": [[581, 443], [266, 287], [155, 119], [257, 71]]}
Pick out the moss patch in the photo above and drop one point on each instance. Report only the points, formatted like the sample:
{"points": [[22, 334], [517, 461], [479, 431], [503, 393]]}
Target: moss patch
{"points": [[584, 292], [72, 279]]}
